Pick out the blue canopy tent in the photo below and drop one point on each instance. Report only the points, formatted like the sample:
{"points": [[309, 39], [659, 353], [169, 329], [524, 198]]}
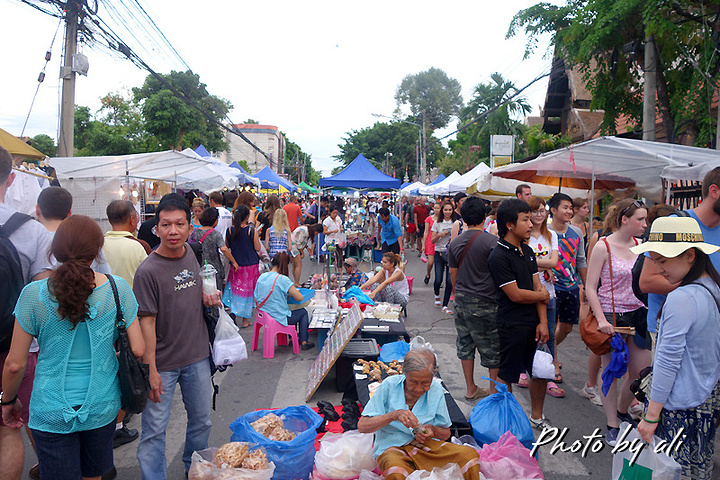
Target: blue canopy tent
{"points": [[244, 177], [270, 176], [360, 175], [439, 179], [202, 151]]}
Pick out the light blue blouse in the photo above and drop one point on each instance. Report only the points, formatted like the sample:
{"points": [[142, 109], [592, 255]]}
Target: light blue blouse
{"points": [[687, 356], [50, 409], [430, 409], [276, 304]]}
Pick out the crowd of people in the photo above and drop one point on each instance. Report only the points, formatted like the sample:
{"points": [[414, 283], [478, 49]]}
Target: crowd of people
{"points": [[513, 274]]}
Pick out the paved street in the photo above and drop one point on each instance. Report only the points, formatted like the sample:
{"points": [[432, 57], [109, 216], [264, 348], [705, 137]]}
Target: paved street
{"points": [[279, 382]]}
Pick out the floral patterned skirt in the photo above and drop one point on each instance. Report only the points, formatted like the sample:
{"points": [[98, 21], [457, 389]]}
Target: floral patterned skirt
{"points": [[238, 294]]}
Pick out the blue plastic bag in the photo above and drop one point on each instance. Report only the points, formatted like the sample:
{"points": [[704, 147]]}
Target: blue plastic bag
{"points": [[293, 459], [355, 291], [497, 414], [394, 351]]}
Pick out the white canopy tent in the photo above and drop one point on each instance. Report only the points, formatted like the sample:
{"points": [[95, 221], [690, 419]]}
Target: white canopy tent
{"points": [[493, 188], [406, 192], [96, 181], [440, 188], [610, 163], [468, 179]]}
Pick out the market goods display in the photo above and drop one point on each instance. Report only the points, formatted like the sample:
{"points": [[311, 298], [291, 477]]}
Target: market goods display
{"points": [[273, 428], [232, 461], [238, 455], [375, 369]]}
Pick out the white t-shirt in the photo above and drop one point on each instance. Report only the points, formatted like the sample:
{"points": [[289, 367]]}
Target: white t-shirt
{"points": [[401, 286], [224, 221], [333, 225], [543, 249], [442, 242]]}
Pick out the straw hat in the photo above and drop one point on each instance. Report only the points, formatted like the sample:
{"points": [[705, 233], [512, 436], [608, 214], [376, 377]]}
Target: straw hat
{"points": [[671, 236]]}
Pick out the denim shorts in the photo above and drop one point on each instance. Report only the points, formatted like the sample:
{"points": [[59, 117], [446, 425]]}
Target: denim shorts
{"points": [[475, 322], [74, 455]]}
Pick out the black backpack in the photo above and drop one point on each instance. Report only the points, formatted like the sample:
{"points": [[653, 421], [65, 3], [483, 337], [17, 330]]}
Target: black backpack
{"points": [[11, 278], [638, 266]]}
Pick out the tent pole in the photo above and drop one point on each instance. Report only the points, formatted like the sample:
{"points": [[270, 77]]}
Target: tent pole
{"points": [[592, 195]]}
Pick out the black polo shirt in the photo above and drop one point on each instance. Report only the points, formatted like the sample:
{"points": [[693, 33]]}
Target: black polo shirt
{"points": [[509, 264]]}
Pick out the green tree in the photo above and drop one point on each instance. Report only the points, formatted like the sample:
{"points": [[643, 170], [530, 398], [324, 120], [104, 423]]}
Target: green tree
{"points": [[605, 38], [170, 114], [295, 159], [430, 94], [45, 144], [535, 141], [397, 138]]}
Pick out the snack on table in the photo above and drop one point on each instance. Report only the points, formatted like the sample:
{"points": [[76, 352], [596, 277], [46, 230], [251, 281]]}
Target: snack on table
{"points": [[255, 460], [271, 426], [231, 455]]}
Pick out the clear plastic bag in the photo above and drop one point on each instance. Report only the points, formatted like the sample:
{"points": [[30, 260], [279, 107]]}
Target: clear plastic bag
{"points": [[660, 465], [451, 471], [346, 455], [543, 365], [508, 459], [202, 468], [228, 347]]}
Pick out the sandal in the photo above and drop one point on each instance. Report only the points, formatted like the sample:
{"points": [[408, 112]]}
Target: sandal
{"points": [[479, 393], [558, 378], [554, 390], [447, 310], [523, 382], [437, 301]]}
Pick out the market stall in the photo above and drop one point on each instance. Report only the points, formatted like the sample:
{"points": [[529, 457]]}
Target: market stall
{"points": [[440, 188], [268, 175]]}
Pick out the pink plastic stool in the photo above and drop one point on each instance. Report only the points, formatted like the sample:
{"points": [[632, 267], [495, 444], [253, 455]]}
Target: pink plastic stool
{"points": [[272, 329], [410, 282]]}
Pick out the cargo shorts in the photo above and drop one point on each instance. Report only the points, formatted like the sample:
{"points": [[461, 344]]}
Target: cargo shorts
{"points": [[475, 322]]}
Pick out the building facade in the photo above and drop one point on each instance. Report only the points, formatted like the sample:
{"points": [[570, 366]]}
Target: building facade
{"points": [[266, 137]]}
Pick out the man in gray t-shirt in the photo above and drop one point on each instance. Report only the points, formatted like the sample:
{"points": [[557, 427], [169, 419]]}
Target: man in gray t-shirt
{"points": [[169, 292], [475, 297]]}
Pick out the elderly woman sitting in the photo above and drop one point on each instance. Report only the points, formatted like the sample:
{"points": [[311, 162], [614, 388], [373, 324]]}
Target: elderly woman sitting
{"points": [[356, 276], [410, 419]]}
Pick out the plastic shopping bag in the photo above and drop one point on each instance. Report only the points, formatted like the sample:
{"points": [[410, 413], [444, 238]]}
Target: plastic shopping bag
{"points": [[355, 291], [368, 475], [499, 413], [346, 455], [202, 468], [228, 346], [451, 471], [507, 459], [649, 465], [543, 365], [394, 351], [293, 459]]}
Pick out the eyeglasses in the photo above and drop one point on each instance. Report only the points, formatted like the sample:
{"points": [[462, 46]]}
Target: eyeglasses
{"points": [[635, 203], [538, 212]]}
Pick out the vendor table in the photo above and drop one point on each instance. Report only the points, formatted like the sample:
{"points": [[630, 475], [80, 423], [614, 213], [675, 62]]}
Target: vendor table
{"points": [[460, 426]]}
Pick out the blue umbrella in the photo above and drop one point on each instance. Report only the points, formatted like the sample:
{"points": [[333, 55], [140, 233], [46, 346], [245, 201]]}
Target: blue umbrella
{"points": [[618, 363]]}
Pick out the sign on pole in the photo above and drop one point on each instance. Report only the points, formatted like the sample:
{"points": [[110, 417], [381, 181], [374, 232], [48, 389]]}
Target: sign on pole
{"points": [[502, 149]]}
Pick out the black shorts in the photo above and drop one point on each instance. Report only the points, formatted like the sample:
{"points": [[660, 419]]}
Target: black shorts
{"points": [[636, 318], [420, 229], [395, 248], [517, 350], [568, 306]]}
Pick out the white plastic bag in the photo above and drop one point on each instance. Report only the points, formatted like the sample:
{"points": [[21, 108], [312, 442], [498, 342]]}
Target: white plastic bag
{"points": [[345, 455], [451, 471], [663, 466], [202, 468], [368, 475], [543, 366], [418, 341], [228, 347]]}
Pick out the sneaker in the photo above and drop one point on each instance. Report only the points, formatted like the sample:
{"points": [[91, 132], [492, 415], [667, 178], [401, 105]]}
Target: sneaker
{"points": [[611, 436], [307, 346], [124, 435], [592, 394], [625, 417], [540, 423], [636, 410]]}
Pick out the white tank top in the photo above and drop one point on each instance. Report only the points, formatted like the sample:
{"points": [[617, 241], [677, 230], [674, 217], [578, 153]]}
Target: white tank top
{"points": [[400, 285]]}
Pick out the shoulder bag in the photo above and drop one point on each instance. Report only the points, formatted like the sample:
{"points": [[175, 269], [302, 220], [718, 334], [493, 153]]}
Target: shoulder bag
{"points": [[597, 341], [134, 375]]}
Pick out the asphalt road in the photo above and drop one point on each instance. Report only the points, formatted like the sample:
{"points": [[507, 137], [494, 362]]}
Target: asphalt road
{"points": [[279, 382]]}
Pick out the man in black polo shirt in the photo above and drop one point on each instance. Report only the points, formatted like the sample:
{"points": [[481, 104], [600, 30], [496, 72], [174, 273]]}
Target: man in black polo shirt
{"points": [[522, 300]]}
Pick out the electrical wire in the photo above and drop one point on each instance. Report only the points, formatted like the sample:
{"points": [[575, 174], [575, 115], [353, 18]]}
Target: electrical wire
{"points": [[41, 77]]}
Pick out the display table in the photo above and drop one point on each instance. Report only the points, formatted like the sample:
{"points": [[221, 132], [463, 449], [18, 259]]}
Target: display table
{"points": [[460, 426], [384, 331]]}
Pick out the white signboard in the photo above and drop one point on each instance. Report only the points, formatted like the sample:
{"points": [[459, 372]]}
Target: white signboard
{"points": [[502, 148]]}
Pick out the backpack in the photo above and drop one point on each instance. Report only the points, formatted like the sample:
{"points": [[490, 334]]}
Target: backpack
{"points": [[638, 266], [11, 278], [196, 246]]}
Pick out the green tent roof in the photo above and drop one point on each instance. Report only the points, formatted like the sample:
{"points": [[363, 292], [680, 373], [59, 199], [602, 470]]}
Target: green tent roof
{"points": [[307, 187]]}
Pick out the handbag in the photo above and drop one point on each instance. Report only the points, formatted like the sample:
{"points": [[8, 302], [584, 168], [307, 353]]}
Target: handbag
{"points": [[597, 341], [134, 375]]}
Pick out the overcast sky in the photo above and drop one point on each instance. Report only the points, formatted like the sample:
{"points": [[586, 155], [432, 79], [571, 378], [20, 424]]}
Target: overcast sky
{"points": [[315, 69]]}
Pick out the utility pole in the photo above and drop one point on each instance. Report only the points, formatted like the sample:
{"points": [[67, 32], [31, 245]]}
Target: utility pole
{"points": [[67, 107], [649, 90], [423, 152]]}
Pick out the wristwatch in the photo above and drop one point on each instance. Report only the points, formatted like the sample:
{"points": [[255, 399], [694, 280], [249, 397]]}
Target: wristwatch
{"points": [[9, 402]]}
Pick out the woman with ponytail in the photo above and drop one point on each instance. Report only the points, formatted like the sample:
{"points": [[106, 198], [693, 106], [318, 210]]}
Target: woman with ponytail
{"points": [[390, 284], [76, 393]]}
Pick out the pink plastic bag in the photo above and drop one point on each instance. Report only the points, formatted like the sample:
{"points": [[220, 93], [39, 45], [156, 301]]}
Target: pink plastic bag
{"points": [[508, 459]]}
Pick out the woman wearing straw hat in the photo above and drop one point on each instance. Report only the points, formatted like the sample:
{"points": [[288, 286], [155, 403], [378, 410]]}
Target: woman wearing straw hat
{"points": [[685, 394]]}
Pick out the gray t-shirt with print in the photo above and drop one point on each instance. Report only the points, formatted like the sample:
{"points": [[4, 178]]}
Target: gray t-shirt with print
{"points": [[170, 289]]}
